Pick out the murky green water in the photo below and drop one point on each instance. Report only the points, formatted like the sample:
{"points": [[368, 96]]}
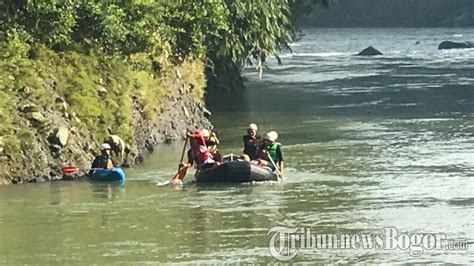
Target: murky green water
{"points": [[368, 144]]}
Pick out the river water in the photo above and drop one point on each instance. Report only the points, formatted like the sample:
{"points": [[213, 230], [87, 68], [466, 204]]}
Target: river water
{"points": [[369, 143]]}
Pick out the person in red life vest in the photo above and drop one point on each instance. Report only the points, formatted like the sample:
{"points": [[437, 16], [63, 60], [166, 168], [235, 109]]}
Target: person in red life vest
{"points": [[198, 153]]}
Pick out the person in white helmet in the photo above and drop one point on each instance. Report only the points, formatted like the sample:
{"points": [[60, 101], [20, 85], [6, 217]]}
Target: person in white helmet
{"points": [[104, 160], [211, 140], [270, 151], [251, 142]]}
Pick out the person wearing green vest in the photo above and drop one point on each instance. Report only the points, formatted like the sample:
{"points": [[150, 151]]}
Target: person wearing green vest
{"points": [[271, 149]]}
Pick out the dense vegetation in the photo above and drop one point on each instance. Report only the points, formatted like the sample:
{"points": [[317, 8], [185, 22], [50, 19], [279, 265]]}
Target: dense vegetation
{"points": [[218, 29], [128, 49]]}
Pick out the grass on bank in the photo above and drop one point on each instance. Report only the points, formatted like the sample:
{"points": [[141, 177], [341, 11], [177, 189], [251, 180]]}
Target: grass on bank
{"points": [[99, 90]]}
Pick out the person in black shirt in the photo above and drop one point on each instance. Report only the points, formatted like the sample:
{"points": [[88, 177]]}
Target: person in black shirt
{"points": [[251, 142], [104, 160]]}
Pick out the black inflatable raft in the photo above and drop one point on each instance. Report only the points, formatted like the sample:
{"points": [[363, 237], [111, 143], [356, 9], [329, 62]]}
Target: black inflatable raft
{"points": [[236, 172]]}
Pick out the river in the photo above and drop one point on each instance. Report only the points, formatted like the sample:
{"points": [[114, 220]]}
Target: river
{"points": [[369, 143]]}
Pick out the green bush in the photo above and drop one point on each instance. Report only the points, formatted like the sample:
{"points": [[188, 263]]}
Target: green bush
{"points": [[78, 79], [74, 49]]}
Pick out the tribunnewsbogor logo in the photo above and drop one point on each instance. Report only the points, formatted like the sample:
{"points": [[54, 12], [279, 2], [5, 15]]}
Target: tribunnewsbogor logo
{"points": [[285, 243]]}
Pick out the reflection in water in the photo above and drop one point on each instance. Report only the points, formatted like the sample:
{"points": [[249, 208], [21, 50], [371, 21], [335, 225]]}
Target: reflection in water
{"points": [[109, 191]]}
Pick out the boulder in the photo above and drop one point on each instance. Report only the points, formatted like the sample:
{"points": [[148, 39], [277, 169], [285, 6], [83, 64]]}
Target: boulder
{"points": [[62, 135], [139, 159], [73, 130], [59, 99], [74, 117], [149, 145], [73, 176], [62, 104], [101, 91], [455, 45], [117, 144], [126, 163], [87, 147], [59, 136], [25, 91], [28, 108], [370, 51], [37, 119]]}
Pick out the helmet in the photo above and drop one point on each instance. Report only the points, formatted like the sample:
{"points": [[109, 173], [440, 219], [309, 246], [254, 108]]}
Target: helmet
{"points": [[205, 133], [253, 127], [105, 146], [271, 136]]}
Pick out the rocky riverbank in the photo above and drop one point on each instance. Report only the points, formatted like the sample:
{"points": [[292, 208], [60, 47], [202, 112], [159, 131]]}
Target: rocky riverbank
{"points": [[54, 118], [180, 113]]}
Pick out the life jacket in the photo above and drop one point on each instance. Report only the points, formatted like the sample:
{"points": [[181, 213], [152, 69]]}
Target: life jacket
{"points": [[103, 161], [201, 153], [272, 151], [110, 164]]}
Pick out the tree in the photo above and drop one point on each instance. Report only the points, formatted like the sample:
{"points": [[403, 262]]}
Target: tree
{"points": [[256, 29], [225, 33]]}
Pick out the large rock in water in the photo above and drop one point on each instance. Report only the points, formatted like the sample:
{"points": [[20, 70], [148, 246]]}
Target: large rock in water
{"points": [[370, 51], [455, 45]]}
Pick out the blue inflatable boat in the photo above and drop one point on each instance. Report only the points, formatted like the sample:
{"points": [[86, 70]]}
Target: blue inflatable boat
{"points": [[114, 174]]}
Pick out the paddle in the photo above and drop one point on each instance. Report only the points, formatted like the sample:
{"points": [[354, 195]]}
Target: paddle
{"points": [[181, 172], [184, 150], [276, 168]]}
